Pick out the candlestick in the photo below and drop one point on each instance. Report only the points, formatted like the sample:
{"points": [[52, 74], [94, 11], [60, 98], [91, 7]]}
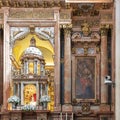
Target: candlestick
{"points": [[72, 115], [41, 89], [61, 116], [66, 116]]}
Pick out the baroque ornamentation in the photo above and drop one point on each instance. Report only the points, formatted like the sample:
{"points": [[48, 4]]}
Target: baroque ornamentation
{"points": [[85, 107], [18, 33], [77, 37], [46, 33], [85, 27]]}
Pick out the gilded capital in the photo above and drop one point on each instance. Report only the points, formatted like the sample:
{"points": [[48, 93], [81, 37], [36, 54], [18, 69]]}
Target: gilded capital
{"points": [[104, 30], [67, 31], [67, 28]]}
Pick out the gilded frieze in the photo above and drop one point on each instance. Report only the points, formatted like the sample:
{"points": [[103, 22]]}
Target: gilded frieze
{"points": [[93, 22], [65, 15], [107, 16], [30, 13]]}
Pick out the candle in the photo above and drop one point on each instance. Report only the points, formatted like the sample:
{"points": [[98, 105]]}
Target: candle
{"points": [[72, 115], [41, 89], [61, 116], [66, 116]]}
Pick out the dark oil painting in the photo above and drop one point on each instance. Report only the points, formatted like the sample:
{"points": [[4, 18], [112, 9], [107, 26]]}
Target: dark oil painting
{"points": [[85, 78]]}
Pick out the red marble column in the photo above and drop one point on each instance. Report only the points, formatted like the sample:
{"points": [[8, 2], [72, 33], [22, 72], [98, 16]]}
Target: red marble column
{"points": [[67, 65], [104, 65]]}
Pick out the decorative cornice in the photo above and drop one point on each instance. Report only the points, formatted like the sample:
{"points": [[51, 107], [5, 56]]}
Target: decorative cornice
{"points": [[34, 4]]}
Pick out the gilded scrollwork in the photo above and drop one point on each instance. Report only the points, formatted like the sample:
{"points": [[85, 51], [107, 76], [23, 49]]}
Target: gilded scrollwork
{"points": [[76, 35]]}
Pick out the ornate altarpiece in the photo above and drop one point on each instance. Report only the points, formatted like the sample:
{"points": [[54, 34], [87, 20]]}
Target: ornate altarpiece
{"points": [[85, 64]]}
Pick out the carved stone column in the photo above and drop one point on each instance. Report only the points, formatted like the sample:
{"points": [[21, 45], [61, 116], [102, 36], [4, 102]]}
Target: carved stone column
{"points": [[67, 64], [7, 62], [117, 60], [104, 64]]}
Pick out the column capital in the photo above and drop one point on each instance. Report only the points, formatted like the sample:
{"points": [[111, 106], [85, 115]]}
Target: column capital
{"points": [[66, 26], [104, 29]]}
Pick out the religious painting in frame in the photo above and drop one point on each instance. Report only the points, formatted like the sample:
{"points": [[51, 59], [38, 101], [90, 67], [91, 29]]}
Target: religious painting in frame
{"points": [[85, 79]]}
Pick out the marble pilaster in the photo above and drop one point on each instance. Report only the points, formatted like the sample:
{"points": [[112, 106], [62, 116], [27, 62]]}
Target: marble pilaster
{"points": [[7, 62], [117, 60], [57, 63], [67, 66], [104, 64]]}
